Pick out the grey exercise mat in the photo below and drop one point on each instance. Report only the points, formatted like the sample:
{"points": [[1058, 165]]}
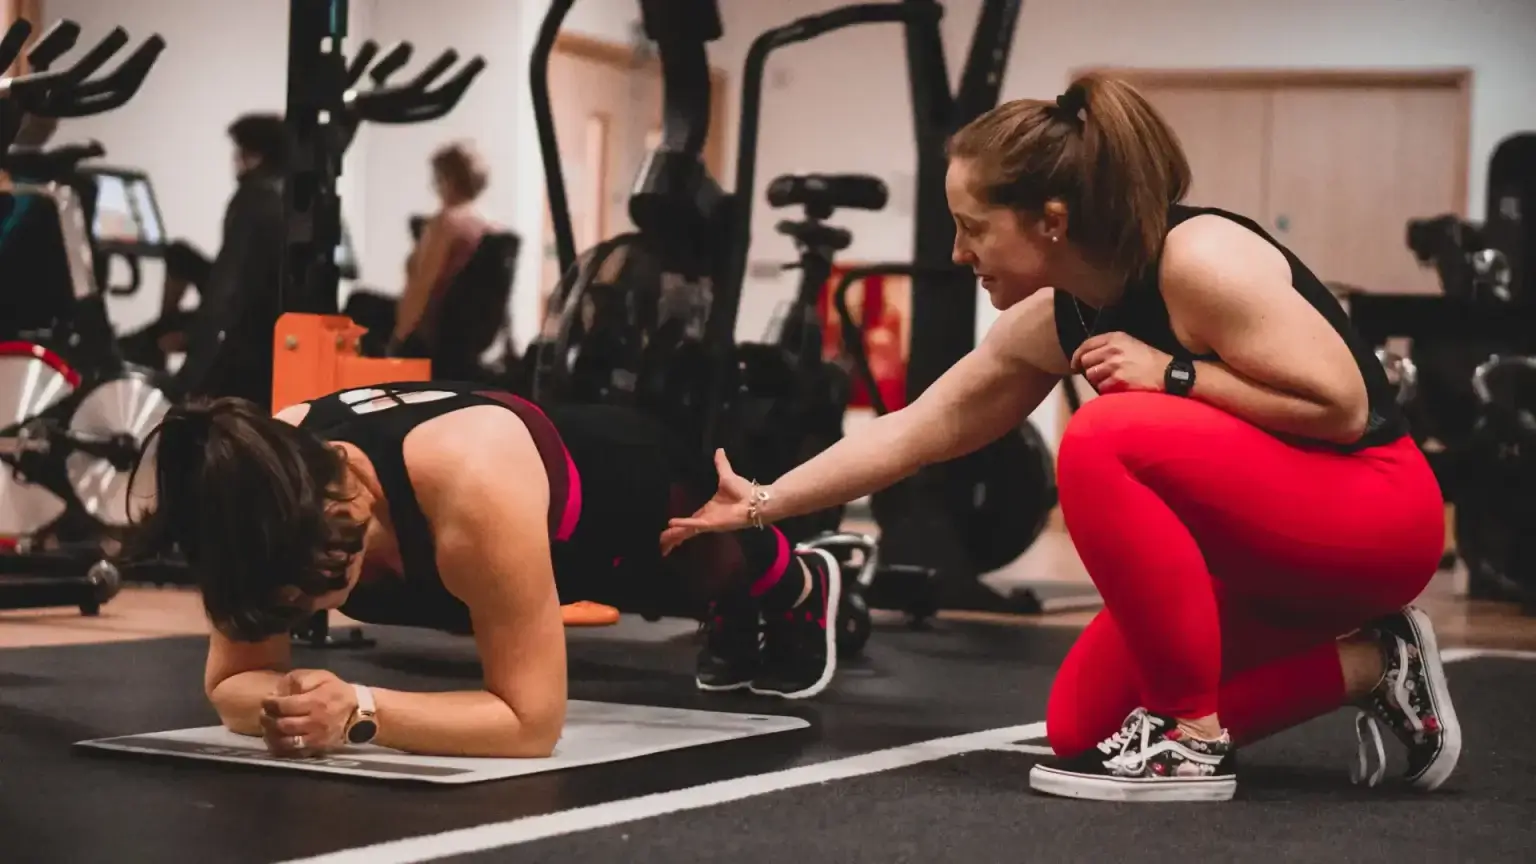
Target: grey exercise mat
{"points": [[595, 732]]}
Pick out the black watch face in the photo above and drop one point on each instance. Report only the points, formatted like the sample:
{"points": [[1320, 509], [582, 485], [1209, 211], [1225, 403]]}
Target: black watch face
{"points": [[362, 731]]}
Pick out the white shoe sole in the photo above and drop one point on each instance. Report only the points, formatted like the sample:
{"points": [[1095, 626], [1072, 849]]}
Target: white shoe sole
{"points": [[1063, 784], [1443, 765], [715, 688], [834, 598]]}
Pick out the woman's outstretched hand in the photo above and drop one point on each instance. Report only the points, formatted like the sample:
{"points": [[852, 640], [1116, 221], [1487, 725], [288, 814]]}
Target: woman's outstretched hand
{"points": [[727, 511]]}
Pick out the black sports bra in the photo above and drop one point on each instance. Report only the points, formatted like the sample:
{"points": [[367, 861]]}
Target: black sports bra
{"points": [[1142, 313], [376, 420]]}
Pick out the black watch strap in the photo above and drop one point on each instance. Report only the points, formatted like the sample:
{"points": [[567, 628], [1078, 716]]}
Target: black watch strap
{"points": [[1179, 377]]}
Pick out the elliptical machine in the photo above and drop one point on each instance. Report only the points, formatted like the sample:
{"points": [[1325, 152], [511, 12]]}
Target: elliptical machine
{"points": [[649, 318], [82, 414]]}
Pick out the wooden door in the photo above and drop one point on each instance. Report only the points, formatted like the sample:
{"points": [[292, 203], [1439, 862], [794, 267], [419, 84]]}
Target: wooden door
{"points": [[1225, 136], [607, 104], [1351, 165]]}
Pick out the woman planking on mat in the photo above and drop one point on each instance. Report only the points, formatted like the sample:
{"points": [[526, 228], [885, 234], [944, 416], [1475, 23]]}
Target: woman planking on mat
{"points": [[1243, 495], [451, 507]]}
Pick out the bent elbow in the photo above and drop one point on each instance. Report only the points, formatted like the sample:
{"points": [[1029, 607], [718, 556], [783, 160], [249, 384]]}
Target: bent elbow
{"points": [[528, 737], [1348, 420], [523, 744]]}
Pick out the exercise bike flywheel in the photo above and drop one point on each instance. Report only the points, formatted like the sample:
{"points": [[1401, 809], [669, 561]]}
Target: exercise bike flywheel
{"points": [[126, 408], [32, 380]]}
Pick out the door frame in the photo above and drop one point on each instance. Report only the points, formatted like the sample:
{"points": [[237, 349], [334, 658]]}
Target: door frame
{"points": [[623, 57], [1457, 78]]}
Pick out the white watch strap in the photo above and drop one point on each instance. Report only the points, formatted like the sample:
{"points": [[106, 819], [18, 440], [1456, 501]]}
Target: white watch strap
{"points": [[364, 700]]}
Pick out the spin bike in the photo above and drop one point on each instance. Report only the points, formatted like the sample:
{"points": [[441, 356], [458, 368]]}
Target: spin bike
{"points": [[83, 414]]}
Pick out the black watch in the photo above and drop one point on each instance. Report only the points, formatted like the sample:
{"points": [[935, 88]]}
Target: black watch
{"points": [[1179, 377]]}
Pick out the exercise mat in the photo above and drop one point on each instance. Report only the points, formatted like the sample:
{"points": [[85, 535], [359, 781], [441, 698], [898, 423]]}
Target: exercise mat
{"points": [[595, 732]]}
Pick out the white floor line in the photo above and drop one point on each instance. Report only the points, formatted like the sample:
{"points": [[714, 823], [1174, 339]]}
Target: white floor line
{"points": [[1031, 749], [1454, 655], [499, 834]]}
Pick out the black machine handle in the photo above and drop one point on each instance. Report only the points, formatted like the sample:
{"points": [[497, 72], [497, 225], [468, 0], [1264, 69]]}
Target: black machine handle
{"points": [[113, 91], [84, 68], [135, 278], [55, 43], [15, 41], [549, 146], [853, 331], [816, 235], [394, 60], [414, 102], [46, 165], [68, 93], [722, 318], [366, 53], [821, 194]]}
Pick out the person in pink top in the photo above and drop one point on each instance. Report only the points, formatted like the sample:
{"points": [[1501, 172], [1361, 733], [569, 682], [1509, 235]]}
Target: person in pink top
{"points": [[459, 176]]}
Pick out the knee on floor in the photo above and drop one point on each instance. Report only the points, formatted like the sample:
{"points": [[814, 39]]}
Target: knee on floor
{"points": [[1068, 739]]}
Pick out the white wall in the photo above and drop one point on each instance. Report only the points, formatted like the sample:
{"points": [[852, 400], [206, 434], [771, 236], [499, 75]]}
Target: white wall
{"points": [[223, 58]]}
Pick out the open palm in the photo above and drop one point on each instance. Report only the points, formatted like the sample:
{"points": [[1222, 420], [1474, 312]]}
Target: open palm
{"points": [[727, 511]]}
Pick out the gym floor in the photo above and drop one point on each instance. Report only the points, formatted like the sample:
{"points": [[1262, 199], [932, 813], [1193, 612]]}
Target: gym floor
{"points": [[919, 752]]}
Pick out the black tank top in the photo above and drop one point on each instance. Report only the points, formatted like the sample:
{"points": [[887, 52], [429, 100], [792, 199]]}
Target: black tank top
{"points": [[1143, 314], [376, 420]]}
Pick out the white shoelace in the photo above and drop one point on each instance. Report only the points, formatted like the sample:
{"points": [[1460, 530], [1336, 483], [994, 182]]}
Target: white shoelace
{"points": [[1137, 730], [1367, 727]]}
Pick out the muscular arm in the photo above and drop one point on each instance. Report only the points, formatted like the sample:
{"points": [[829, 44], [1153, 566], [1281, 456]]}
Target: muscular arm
{"points": [[239, 675], [1283, 366], [430, 257], [490, 522], [990, 391]]}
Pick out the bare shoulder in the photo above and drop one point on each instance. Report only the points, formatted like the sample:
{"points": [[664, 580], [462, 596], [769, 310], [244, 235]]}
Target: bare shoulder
{"points": [[459, 457], [1025, 333], [1208, 255], [293, 415]]}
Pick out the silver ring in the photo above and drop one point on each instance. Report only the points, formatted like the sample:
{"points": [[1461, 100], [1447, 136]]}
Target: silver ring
{"points": [[297, 741]]}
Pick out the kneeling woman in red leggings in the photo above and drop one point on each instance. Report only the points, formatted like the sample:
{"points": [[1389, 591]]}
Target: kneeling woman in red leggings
{"points": [[1242, 493]]}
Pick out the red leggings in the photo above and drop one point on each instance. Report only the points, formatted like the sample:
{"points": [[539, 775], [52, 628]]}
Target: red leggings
{"points": [[1230, 562]]}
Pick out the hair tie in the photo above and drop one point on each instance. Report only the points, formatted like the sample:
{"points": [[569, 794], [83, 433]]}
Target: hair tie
{"points": [[1072, 104]]}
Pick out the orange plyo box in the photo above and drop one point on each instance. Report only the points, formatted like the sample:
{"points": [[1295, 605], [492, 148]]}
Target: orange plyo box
{"points": [[313, 355]]}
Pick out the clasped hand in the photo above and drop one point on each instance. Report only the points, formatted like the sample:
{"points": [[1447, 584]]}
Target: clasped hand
{"points": [[308, 713], [1118, 362]]}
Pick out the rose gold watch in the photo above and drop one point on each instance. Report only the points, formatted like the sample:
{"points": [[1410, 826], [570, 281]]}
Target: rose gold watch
{"points": [[364, 725]]}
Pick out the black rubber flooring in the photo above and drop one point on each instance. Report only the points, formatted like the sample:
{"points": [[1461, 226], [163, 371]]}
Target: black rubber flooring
{"points": [[59, 803], [1295, 802]]}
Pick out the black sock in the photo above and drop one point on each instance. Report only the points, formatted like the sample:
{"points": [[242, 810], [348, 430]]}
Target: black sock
{"points": [[774, 574]]}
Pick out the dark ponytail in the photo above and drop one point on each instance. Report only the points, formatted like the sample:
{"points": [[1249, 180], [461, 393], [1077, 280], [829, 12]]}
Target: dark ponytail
{"points": [[1101, 149], [251, 504]]}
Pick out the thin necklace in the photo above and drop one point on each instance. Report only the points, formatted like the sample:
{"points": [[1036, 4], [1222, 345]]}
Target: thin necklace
{"points": [[1077, 306]]}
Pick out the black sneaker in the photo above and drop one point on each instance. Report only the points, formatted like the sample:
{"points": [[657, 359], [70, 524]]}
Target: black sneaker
{"points": [[1149, 759], [800, 644], [1413, 702], [729, 659]]}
